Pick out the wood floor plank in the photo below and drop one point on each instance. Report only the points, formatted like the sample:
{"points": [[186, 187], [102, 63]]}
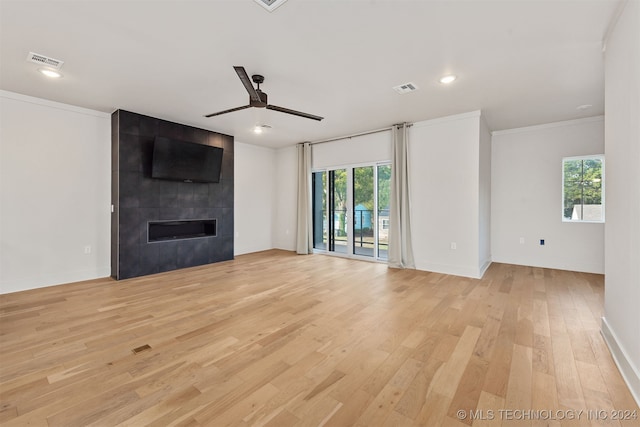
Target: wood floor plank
{"points": [[386, 400], [567, 379], [542, 354], [277, 339], [544, 397], [520, 387], [351, 410], [434, 411], [468, 391], [247, 407], [283, 419], [415, 395], [487, 413], [397, 420], [358, 368]]}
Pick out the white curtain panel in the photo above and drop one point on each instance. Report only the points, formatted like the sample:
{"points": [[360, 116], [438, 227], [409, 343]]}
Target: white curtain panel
{"points": [[304, 236], [400, 248]]}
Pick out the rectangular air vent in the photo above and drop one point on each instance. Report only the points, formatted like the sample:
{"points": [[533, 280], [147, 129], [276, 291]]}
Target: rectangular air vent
{"points": [[270, 5], [406, 88], [45, 60]]}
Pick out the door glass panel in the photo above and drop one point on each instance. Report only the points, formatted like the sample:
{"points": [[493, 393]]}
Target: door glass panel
{"points": [[363, 211], [338, 210], [384, 196], [320, 225]]}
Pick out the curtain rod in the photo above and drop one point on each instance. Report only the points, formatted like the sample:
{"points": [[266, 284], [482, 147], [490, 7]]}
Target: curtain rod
{"points": [[357, 134]]}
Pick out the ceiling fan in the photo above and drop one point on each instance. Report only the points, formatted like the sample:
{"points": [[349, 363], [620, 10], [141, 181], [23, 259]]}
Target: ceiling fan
{"points": [[258, 98]]}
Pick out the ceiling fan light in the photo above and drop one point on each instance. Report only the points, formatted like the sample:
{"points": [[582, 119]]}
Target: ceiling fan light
{"points": [[448, 79]]}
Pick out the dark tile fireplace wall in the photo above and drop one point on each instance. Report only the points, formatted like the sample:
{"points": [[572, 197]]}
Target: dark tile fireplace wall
{"points": [[138, 199]]}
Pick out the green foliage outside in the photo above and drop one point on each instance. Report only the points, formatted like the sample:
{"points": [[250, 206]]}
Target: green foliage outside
{"points": [[363, 191], [340, 199], [384, 186]]}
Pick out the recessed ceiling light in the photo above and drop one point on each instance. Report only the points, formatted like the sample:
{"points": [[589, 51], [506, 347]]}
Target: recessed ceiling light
{"points": [[584, 107], [50, 73], [448, 79]]}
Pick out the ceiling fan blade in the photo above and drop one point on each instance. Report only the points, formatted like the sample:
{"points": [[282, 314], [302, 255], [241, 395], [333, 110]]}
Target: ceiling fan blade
{"points": [[294, 112], [231, 110], [246, 81]]}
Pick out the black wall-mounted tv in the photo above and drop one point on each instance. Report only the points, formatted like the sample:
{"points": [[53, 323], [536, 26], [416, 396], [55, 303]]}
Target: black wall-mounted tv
{"points": [[185, 161]]}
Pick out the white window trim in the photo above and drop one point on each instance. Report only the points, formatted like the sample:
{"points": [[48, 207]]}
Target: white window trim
{"points": [[603, 203]]}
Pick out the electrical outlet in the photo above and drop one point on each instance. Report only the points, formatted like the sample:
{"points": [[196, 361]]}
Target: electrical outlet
{"points": [[522, 240], [453, 245], [87, 249], [541, 242]]}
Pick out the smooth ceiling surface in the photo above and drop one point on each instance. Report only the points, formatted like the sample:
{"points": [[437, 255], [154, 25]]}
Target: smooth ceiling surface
{"points": [[521, 62]]}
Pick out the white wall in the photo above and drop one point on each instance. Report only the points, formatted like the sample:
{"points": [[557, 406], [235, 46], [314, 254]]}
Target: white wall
{"points": [[254, 198], [526, 194], [621, 322], [55, 193], [375, 147], [444, 181], [484, 249], [285, 222]]}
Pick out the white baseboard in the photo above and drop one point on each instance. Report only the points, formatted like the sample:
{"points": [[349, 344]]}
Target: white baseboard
{"points": [[454, 270], [53, 279], [629, 372], [483, 267]]}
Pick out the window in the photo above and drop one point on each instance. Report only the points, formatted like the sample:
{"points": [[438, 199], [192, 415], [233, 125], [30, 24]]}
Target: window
{"points": [[583, 189]]}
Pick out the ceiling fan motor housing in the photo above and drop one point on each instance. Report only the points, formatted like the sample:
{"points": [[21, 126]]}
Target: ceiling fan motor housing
{"points": [[263, 100]]}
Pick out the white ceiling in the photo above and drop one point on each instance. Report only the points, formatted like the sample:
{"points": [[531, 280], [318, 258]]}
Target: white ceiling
{"points": [[521, 62]]}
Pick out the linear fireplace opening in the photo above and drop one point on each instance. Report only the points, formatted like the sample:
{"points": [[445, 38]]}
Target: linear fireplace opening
{"points": [[160, 231]]}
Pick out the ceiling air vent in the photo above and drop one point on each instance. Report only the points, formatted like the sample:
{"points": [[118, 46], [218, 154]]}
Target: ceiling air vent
{"points": [[406, 88], [45, 60], [270, 5]]}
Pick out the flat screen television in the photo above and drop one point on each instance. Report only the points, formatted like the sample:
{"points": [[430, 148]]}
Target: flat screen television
{"points": [[185, 161]]}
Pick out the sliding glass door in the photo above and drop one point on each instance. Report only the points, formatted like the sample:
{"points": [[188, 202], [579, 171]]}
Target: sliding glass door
{"points": [[351, 210]]}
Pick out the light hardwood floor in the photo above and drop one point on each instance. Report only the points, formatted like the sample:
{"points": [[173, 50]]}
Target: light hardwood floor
{"points": [[276, 339]]}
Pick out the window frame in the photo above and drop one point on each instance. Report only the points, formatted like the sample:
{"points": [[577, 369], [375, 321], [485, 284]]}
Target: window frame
{"points": [[602, 188]]}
